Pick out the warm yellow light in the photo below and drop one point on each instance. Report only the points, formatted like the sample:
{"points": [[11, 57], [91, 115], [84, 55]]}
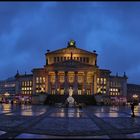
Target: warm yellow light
{"points": [[6, 94], [135, 96]]}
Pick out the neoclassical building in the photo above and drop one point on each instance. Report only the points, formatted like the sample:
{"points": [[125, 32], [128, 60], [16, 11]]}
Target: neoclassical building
{"points": [[71, 67]]}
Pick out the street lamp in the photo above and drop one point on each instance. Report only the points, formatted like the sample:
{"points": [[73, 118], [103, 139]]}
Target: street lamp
{"points": [[135, 96]]}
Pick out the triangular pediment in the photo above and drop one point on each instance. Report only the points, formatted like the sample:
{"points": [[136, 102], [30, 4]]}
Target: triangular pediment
{"points": [[69, 50]]}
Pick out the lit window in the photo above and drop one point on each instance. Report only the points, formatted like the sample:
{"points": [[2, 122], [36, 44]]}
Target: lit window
{"points": [[37, 79], [62, 78], [99, 90], [52, 78], [28, 83], [104, 81], [43, 79], [23, 83], [80, 79], [31, 83], [98, 80]]}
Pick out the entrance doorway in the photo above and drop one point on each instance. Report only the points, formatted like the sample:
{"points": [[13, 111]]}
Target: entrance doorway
{"points": [[79, 92]]}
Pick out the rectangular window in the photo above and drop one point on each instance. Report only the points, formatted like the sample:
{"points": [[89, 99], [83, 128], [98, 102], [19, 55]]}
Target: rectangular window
{"points": [[23, 83], [98, 80], [52, 78], [87, 60], [61, 78], [84, 59], [54, 59], [27, 83], [37, 79], [101, 80], [57, 59], [30, 83], [104, 80], [80, 79], [43, 79]]}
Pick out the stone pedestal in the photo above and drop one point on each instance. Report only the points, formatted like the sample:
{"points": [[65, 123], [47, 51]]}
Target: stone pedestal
{"points": [[70, 101]]}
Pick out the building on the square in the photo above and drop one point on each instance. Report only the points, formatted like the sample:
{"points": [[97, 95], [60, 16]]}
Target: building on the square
{"points": [[133, 92], [8, 86], [71, 67]]}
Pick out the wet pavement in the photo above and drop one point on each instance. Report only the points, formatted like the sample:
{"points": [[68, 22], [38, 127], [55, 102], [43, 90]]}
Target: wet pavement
{"points": [[42, 121]]}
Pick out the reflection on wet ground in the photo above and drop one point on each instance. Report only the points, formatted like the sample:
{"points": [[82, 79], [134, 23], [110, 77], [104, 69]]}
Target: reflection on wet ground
{"points": [[2, 132], [112, 114], [68, 112], [37, 136], [41, 121], [133, 135], [23, 110]]}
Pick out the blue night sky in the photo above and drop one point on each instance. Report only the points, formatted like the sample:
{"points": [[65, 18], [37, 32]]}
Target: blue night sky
{"points": [[28, 29]]}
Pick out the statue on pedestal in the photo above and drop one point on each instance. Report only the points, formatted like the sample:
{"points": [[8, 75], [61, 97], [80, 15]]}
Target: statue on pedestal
{"points": [[70, 99], [70, 91]]}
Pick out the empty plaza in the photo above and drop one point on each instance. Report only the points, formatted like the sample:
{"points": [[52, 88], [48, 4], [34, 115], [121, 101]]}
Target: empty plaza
{"points": [[40, 121]]}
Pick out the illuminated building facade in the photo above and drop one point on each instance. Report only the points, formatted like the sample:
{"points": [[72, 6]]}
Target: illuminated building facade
{"points": [[133, 92], [71, 67]]}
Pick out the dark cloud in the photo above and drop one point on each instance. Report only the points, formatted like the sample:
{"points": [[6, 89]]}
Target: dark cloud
{"points": [[28, 29]]}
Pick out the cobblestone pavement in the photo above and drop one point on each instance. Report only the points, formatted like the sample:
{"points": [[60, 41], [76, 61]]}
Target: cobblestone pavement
{"points": [[41, 121]]}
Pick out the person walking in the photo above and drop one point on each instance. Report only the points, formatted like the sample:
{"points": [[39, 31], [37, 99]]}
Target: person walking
{"points": [[132, 109]]}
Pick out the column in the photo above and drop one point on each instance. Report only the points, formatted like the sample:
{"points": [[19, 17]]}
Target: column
{"points": [[49, 82], [34, 84], [95, 83], [46, 82], [66, 83], [76, 82], [56, 82], [85, 82]]}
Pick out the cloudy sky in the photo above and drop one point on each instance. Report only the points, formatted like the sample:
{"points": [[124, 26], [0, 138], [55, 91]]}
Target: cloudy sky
{"points": [[28, 29]]}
